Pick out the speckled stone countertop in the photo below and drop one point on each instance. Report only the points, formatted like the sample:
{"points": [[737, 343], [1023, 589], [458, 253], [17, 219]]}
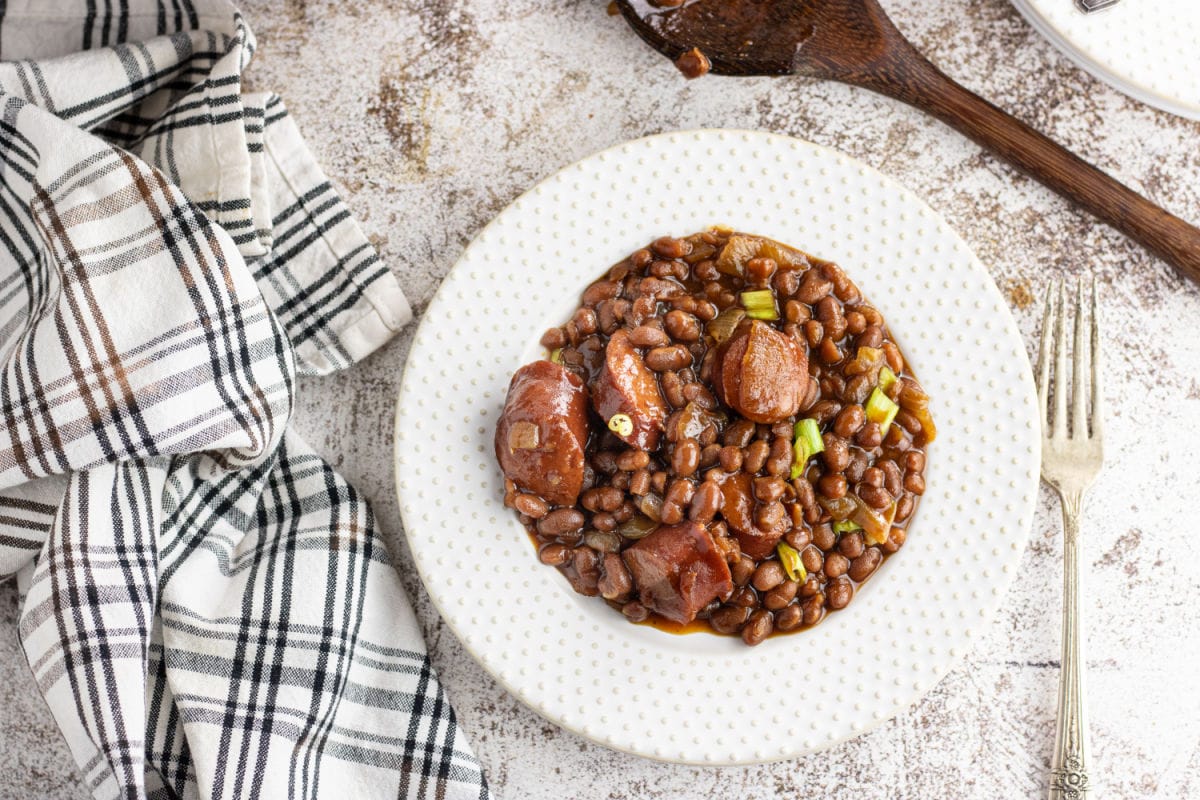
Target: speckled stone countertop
{"points": [[432, 115]]}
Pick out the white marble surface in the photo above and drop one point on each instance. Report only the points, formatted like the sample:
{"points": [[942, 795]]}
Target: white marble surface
{"points": [[434, 114]]}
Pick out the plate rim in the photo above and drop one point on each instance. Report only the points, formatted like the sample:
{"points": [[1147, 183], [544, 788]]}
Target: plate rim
{"points": [[1025, 516]]}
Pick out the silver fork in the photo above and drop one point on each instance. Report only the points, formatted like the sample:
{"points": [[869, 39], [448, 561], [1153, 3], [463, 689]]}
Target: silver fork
{"points": [[1071, 457]]}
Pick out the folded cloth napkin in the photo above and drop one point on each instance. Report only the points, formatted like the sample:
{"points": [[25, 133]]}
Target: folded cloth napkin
{"points": [[209, 610]]}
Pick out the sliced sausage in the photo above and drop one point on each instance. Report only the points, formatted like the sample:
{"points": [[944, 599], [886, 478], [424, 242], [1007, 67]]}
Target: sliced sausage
{"points": [[761, 373], [542, 432], [625, 385], [678, 570]]}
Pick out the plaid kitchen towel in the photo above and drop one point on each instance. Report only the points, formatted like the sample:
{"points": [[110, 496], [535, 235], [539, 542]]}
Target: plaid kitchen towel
{"points": [[209, 610]]}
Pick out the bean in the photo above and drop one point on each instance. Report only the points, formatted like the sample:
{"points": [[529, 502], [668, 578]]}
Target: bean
{"points": [[824, 411], [857, 466], [838, 593], [671, 514], [812, 586], [895, 540], [641, 258], [894, 359], [789, 618], [798, 537], [869, 436], [837, 452], [670, 247], [812, 559], [891, 481], [585, 321], [755, 456], [857, 389], [685, 458], [625, 512], [849, 421], [697, 393], [829, 352], [682, 326], [709, 454], [600, 291], [705, 502], [635, 611], [705, 311], [662, 269], [862, 567], [661, 359], [728, 619], [872, 336], [741, 570], [813, 608], [560, 521], [823, 536], [633, 459], [874, 496], [658, 481], [871, 314], [554, 554], [779, 460], [615, 582], [781, 595], [758, 628], [873, 476], [814, 332], [856, 323], [672, 388], [586, 563], [744, 597], [813, 286], [915, 482], [908, 422], [829, 311], [836, 565], [770, 489], [851, 544], [786, 282], [739, 434], [904, 507], [648, 336], [553, 339], [530, 505], [680, 492], [914, 461], [730, 458], [604, 521], [768, 575], [620, 481], [770, 517], [796, 312], [832, 486]]}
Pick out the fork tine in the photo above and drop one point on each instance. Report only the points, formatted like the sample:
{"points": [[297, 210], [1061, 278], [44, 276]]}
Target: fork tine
{"points": [[1079, 390], [1097, 389], [1059, 429], [1044, 356]]}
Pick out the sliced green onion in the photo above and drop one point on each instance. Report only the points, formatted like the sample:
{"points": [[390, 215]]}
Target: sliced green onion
{"points": [[845, 526], [760, 304], [556, 355], [806, 445], [789, 557], [620, 424], [887, 378], [881, 409]]}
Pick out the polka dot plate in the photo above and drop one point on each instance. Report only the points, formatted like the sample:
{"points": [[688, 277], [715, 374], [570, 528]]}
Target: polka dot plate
{"points": [[1147, 49], [702, 698]]}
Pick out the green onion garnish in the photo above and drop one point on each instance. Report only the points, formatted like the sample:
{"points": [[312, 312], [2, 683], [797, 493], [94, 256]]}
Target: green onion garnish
{"points": [[845, 526], [760, 304], [887, 378], [806, 445], [556, 355], [881, 409], [620, 424], [789, 557]]}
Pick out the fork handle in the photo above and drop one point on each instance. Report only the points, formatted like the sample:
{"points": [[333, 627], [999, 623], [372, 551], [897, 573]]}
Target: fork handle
{"points": [[903, 73], [1069, 764]]}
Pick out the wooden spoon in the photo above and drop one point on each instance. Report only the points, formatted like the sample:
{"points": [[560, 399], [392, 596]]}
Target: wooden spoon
{"points": [[853, 41]]}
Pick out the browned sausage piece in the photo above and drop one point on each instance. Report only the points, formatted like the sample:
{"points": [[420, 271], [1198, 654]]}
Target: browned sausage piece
{"points": [[738, 509], [627, 386], [761, 373], [678, 570], [542, 431]]}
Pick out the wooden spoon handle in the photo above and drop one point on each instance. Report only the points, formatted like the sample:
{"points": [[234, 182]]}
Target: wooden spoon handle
{"points": [[916, 81]]}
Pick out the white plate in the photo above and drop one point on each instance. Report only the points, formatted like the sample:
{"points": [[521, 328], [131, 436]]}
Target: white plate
{"points": [[701, 698], [1148, 49]]}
